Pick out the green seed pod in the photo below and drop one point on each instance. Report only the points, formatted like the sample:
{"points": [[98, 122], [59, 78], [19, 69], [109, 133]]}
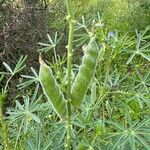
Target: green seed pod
{"points": [[85, 74], [51, 90]]}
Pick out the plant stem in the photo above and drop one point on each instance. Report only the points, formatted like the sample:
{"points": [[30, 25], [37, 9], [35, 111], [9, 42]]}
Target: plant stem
{"points": [[3, 125], [69, 65], [6, 85]]}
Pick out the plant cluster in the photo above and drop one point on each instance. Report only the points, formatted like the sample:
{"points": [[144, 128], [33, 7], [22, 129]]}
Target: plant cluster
{"points": [[102, 104]]}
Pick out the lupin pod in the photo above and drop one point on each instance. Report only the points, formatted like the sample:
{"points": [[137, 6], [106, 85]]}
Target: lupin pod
{"points": [[85, 74], [51, 90]]}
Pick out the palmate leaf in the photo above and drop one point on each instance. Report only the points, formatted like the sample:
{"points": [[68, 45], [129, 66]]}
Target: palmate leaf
{"points": [[30, 79], [133, 136], [141, 97], [80, 25], [140, 49], [53, 43], [85, 28], [139, 52], [81, 39], [143, 81], [19, 66], [26, 112], [38, 140], [44, 138]]}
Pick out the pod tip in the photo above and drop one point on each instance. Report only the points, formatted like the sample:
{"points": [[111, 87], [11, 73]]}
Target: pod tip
{"points": [[41, 61]]}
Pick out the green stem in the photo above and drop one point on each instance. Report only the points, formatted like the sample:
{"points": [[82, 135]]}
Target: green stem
{"points": [[6, 85], [1, 111], [3, 126], [69, 67]]}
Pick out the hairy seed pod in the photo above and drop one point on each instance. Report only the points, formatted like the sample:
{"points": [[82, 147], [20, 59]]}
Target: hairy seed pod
{"points": [[85, 74], [51, 90]]}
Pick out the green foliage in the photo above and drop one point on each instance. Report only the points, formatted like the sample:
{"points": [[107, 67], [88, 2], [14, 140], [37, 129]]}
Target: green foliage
{"points": [[114, 89], [18, 67], [141, 46], [128, 136], [52, 44], [119, 14], [30, 79]]}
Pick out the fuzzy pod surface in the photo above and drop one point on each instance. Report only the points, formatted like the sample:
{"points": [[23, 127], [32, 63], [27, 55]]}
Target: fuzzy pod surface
{"points": [[51, 90], [85, 74]]}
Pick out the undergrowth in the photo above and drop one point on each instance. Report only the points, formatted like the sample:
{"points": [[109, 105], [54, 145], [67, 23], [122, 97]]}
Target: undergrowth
{"points": [[114, 114]]}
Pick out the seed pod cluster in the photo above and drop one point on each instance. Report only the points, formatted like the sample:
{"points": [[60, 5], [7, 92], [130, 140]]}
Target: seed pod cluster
{"points": [[85, 74], [51, 90]]}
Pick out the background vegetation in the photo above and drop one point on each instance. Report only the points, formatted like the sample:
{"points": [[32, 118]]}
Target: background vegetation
{"points": [[116, 110]]}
